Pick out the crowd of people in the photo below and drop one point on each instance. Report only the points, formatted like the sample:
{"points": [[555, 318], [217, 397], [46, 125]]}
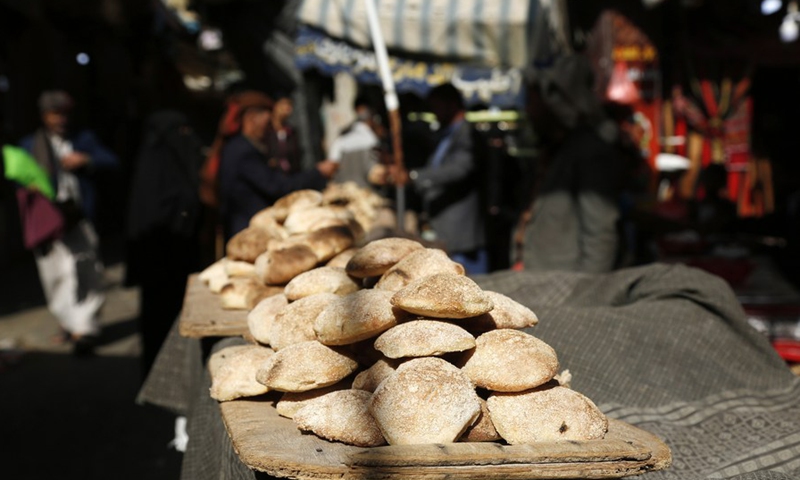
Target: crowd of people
{"points": [[185, 199]]}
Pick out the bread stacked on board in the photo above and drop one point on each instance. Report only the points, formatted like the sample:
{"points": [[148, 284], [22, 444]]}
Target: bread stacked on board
{"points": [[394, 344], [301, 231]]}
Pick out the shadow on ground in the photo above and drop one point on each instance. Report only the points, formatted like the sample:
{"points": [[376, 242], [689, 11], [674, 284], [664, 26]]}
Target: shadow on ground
{"points": [[75, 418]]}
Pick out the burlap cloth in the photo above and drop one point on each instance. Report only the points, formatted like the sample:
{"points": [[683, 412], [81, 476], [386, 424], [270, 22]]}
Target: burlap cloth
{"points": [[666, 348]]}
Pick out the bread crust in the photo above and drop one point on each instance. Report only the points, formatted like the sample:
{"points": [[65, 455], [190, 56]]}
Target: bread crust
{"points": [[510, 361], [427, 400]]}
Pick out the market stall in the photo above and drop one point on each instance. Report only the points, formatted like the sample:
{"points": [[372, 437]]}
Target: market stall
{"points": [[664, 348]]}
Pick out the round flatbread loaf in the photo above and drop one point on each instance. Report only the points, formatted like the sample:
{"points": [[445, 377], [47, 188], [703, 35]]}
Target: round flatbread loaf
{"points": [[370, 378], [239, 268], [305, 366], [341, 416], [358, 316], [374, 258], [329, 241], [427, 400], [483, 430], [321, 280], [341, 259], [247, 244], [510, 361], [265, 220], [277, 267], [236, 375], [291, 402], [507, 313], [295, 322], [443, 295], [301, 221], [218, 358], [216, 269], [423, 338], [546, 414], [242, 293], [296, 201], [261, 317], [418, 264]]}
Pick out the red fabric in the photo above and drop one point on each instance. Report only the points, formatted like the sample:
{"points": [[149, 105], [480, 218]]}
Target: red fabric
{"points": [[41, 220], [621, 88]]}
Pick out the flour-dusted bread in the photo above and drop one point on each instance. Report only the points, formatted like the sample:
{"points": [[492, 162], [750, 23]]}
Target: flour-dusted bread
{"points": [[483, 429], [341, 259], [247, 245], [510, 361], [355, 228], [329, 241], [216, 269], [321, 280], [240, 268], [305, 366], [262, 316], [265, 220], [341, 416], [418, 264], [423, 338], [295, 201], [546, 414], [370, 378], [236, 376], [218, 358], [242, 293], [295, 322], [302, 221], [291, 402], [427, 400], [357, 316], [507, 313], [277, 267], [443, 295], [374, 258]]}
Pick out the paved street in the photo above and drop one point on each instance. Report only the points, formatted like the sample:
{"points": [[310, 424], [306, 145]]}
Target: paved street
{"points": [[75, 418]]}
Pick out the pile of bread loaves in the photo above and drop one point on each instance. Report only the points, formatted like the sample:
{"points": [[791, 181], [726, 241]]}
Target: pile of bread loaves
{"points": [[300, 231], [392, 343]]}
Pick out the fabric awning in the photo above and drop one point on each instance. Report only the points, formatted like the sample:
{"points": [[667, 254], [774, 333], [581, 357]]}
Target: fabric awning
{"points": [[490, 33], [500, 87]]}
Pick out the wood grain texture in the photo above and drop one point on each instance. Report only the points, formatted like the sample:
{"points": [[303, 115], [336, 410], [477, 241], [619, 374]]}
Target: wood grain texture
{"points": [[202, 315], [269, 443]]}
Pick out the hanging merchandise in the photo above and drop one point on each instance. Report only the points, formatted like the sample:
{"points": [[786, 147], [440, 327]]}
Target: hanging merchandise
{"points": [[621, 88], [629, 75]]}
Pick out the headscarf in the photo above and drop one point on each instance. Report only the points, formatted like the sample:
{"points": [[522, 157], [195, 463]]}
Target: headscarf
{"points": [[230, 125]]}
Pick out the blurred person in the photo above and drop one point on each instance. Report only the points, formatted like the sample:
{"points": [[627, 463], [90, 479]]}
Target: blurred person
{"points": [[164, 217], [70, 268], [249, 178], [282, 141], [449, 186], [357, 148], [572, 223]]}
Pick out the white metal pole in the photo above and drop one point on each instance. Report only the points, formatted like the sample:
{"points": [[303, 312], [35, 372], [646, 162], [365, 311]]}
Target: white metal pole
{"points": [[392, 104]]}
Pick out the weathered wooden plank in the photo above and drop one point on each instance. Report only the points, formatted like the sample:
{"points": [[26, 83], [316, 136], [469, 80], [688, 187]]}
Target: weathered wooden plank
{"points": [[269, 443], [203, 316]]}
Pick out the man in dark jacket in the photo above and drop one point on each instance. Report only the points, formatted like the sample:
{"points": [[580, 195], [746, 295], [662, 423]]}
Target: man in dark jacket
{"points": [[448, 185], [249, 180]]}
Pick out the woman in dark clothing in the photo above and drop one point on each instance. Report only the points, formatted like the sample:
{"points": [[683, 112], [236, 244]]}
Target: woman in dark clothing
{"points": [[163, 221]]}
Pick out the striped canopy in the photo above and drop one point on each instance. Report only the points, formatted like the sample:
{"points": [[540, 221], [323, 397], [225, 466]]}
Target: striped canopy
{"points": [[491, 33]]}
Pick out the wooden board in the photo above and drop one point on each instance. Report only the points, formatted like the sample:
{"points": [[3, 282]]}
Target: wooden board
{"points": [[202, 315], [270, 443]]}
